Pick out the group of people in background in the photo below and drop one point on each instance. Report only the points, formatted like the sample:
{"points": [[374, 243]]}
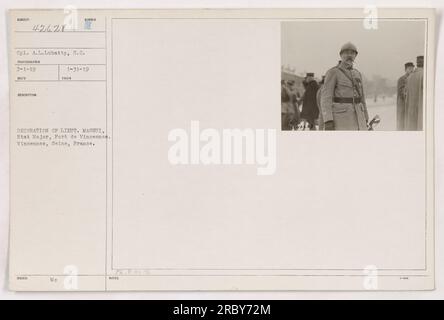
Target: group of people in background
{"points": [[299, 112], [409, 111]]}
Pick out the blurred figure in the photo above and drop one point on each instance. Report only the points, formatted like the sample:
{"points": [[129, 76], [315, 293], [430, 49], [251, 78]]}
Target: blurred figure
{"points": [[401, 95], [295, 115], [414, 96], [310, 111], [318, 102], [299, 101], [287, 110]]}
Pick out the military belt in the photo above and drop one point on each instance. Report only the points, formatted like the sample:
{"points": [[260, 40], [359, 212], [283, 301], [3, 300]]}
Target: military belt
{"points": [[347, 99]]}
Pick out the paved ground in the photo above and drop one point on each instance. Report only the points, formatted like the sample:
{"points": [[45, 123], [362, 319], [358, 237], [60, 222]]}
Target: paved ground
{"points": [[386, 109]]}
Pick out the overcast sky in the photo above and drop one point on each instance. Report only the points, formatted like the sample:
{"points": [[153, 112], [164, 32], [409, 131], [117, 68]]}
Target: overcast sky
{"points": [[313, 46]]}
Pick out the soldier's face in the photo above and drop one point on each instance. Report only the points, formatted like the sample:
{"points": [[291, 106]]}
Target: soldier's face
{"points": [[348, 56]]}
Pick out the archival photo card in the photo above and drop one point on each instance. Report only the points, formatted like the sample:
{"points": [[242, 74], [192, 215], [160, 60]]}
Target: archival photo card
{"points": [[148, 152]]}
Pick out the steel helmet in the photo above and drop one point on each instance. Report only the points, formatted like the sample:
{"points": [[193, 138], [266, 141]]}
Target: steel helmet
{"points": [[348, 46]]}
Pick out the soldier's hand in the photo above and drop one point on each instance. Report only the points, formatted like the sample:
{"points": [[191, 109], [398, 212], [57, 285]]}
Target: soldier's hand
{"points": [[329, 125]]}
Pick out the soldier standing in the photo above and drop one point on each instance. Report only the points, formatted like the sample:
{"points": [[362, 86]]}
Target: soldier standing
{"points": [[294, 103], [414, 107], [287, 109], [342, 96], [400, 104], [310, 111]]}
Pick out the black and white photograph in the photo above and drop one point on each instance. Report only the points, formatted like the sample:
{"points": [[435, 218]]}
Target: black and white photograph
{"points": [[353, 75]]}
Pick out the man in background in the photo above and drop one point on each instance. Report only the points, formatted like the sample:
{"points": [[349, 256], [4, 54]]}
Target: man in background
{"points": [[287, 110], [414, 97], [310, 111], [295, 115], [401, 96], [318, 102]]}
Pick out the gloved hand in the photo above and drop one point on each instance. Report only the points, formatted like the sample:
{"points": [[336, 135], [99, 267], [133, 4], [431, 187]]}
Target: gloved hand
{"points": [[329, 125]]}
